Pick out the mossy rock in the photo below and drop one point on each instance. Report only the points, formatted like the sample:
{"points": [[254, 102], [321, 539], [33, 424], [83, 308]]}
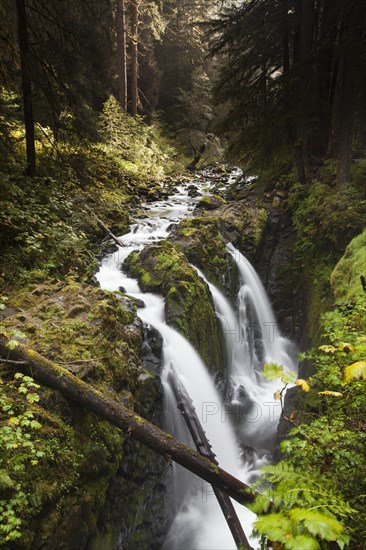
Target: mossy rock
{"points": [[243, 225], [96, 337], [189, 308], [210, 202], [345, 278], [88, 330], [201, 241]]}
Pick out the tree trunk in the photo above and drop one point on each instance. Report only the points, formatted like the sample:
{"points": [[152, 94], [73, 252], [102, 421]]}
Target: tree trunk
{"points": [[285, 37], [345, 131], [186, 407], [107, 408], [134, 56], [122, 54], [346, 90], [26, 87], [326, 67], [304, 12]]}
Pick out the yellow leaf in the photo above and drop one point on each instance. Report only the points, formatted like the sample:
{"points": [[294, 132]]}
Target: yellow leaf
{"points": [[327, 349], [13, 421], [303, 384], [331, 393], [355, 371]]}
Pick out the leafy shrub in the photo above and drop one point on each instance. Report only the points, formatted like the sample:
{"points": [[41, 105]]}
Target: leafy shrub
{"points": [[26, 446]]}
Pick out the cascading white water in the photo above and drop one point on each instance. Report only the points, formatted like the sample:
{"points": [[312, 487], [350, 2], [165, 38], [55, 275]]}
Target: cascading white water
{"points": [[199, 523], [252, 292], [256, 326]]}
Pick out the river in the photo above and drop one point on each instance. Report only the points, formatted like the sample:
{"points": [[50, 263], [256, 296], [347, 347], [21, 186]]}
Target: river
{"points": [[241, 422]]}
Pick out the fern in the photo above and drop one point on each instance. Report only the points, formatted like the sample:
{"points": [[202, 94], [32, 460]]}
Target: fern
{"points": [[307, 510]]}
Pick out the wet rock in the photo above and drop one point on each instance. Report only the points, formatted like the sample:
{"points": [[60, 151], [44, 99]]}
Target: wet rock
{"points": [[189, 308], [151, 350], [204, 246], [274, 264], [243, 224], [210, 202], [137, 302], [290, 417], [219, 169], [193, 191]]}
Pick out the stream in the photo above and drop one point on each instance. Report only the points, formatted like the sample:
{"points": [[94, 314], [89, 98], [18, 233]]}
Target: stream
{"points": [[241, 424]]}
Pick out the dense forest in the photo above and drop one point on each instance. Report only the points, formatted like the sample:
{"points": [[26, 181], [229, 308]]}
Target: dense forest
{"points": [[107, 107]]}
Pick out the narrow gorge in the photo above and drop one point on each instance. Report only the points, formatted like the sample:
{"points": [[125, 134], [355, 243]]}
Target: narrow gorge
{"points": [[234, 403]]}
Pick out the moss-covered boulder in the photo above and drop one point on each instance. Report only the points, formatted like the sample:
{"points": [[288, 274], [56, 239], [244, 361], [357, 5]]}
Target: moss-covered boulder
{"points": [[163, 268], [89, 330], [242, 224], [346, 277], [210, 202], [202, 243]]}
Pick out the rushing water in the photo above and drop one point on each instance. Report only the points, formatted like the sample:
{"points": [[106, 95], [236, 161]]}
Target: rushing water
{"points": [[249, 416], [252, 339]]}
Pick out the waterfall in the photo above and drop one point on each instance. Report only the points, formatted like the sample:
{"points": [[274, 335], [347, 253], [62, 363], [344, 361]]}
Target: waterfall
{"points": [[253, 295], [248, 418], [249, 334], [199, 523]]}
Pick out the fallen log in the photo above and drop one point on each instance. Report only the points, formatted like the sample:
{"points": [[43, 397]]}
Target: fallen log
{"points": [[108, 408], [186, 407], [109, 232]]}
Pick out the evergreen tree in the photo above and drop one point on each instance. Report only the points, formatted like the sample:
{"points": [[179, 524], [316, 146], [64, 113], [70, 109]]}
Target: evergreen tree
{"points": [[291, 79]]}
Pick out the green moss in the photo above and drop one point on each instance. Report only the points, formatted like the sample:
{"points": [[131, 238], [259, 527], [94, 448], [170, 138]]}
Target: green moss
{"points": [[90, 333], [345, 278], [319, 298], [164, 268], [200, 240], [242, 224], [84, 328]]}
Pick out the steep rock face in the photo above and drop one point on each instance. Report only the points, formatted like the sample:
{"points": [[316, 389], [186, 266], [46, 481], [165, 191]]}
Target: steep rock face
{"points": [[275, 265], [71, 490], [204, 246], [163, 268]]}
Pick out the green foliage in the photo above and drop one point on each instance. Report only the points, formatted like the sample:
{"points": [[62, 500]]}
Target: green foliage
{"points": [[36, 225], [355, 371], [272, 371], [324, 471], [325, 220], [307, 508], [358, 174], [20, 448], [139, 148]]}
